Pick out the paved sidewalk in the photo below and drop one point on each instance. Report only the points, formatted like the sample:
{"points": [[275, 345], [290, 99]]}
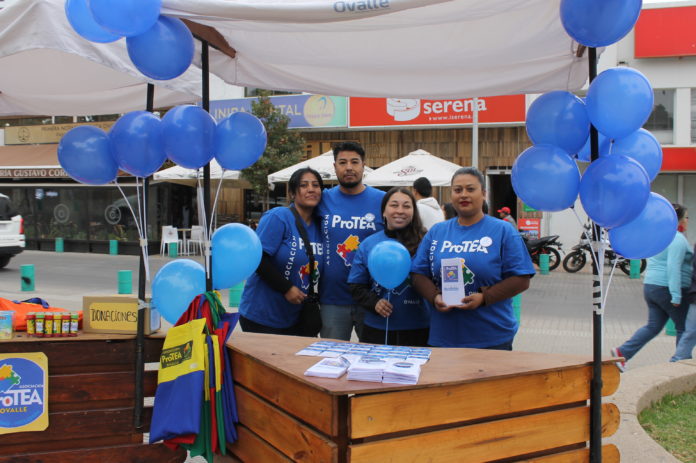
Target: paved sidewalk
{"points": [[557, 317]]}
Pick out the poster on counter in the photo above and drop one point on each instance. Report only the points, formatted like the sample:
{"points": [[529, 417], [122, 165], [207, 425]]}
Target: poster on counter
{"points": [[23, 392]]}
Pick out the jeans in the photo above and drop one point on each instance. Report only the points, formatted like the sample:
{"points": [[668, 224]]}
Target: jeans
{"points": [[686, 343], [338, 321], [660, 309]]}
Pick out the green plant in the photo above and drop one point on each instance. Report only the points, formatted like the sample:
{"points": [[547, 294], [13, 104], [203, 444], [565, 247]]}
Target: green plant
{"points": [[671, 422], [284, 148]]}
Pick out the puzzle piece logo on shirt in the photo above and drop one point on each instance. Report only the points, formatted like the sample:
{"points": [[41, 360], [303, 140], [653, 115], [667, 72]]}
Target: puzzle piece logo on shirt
{"points": [[304, 274], [348, 248]]}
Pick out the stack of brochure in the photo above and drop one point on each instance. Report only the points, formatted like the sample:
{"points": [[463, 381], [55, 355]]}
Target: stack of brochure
{"points": [[402, 372], [330, 367], [367, 368]]}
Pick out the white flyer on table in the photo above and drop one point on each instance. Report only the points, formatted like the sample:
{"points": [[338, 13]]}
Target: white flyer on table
{"points": [[452, 281]]}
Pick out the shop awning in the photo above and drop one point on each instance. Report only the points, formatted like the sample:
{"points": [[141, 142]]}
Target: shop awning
{"points": [[30, 161]]}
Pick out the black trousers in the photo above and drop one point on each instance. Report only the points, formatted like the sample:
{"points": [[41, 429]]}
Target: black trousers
{"points": [[416, 338], [250, 326]]}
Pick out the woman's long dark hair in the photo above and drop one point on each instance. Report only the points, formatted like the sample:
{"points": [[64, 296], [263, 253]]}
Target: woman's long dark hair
{"points": [[412, 234]]}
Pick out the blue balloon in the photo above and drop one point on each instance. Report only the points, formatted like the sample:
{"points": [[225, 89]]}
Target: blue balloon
{"points": [[125, 17], [136, 143], [619, 102], [598, 23], [164, 51], [613, 190], [648, 234], [603, 142], [389, 263], [546, 178], [175, 285], [81, 19], [189, 134], [642, 146], [85, 154], [236, 254], [558, 118], [240, 140]]}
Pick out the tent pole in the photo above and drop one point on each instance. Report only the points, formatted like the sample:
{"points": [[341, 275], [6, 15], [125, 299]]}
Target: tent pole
{"points": [[140, 333], [206, 169], [598, 311]]}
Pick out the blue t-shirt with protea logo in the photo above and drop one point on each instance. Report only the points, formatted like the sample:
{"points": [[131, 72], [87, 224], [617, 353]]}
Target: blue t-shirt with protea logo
{"points": [[489, 251], [281, 240], [347, 221], [409, 311]]}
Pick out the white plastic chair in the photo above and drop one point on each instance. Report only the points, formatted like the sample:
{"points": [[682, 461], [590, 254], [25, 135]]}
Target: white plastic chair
{"points": [[196, 239], [169, 235]]}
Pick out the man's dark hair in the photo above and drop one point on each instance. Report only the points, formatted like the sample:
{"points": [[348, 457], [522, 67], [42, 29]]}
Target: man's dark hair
{"points": [[349, 146], [423, 187]]}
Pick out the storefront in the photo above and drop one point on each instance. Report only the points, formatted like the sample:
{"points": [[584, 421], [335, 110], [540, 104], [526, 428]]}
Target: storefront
{"points": [[86, 217]]}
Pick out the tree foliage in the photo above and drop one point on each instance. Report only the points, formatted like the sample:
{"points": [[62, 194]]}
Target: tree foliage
{"points": [[284, 147]]}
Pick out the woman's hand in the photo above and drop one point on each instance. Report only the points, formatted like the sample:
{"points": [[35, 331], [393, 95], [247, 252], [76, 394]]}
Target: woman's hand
{"points": [[295, 295], [472, 301], [440, 304], [384, 308]]}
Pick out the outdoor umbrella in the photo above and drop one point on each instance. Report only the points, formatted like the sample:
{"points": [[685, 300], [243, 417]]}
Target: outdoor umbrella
{"points": [[404, 171]]}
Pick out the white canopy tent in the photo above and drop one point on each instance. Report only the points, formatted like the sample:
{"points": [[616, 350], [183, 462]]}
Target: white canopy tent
{"points": [[324, 164], [399, 48], [47, 69], [191, 177], [405, 170]]}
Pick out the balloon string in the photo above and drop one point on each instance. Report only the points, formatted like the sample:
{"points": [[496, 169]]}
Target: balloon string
{"points": [[143, 242], [587, 237], [386, 329], [611, 274], [203, 222], [138, 225], [213, 212]]}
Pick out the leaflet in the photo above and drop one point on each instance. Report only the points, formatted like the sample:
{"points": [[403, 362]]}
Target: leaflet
{"points": [[452, 281]]}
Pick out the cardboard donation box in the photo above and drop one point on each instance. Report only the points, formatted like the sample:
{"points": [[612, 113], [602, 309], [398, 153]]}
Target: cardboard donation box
{"points": [[117, 314]]}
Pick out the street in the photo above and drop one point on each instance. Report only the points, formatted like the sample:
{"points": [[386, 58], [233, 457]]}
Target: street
{"points": [[556, 310]]}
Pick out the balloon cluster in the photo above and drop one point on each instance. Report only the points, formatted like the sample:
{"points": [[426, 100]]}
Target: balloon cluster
{"points": [[139, 143], [615, 189], [236, 255], [159, 46]]}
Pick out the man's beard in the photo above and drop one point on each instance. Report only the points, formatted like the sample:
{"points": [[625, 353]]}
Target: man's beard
{"points": [[349, 184]]}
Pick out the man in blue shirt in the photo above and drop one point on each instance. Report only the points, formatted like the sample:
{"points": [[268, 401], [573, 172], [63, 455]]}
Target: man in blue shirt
{"points": [[351, 212]]}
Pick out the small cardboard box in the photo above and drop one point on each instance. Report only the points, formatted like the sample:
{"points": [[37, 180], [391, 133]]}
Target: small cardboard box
{"points": [[117, 314]]}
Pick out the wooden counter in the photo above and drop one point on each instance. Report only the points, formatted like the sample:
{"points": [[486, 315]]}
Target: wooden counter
{"points": [[470, 405], [91, 400]]}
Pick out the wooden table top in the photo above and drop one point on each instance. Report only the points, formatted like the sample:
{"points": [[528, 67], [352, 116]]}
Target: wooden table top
{"points": [[447, 366]]}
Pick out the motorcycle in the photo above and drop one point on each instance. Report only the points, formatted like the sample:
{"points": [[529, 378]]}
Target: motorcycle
{"points": [[544, 245], [578, 256]]}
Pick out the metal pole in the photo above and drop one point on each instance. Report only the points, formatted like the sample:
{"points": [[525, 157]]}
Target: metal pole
{"points": [[597, 312], [206, 169], [140, 334], [474, 136]]}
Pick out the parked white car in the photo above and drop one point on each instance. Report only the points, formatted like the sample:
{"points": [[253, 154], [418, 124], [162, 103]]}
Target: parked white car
{"points": [[11, 231]]}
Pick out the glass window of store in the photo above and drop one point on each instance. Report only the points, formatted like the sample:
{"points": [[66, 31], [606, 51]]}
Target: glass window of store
{"points": [[661, 121], [60, 212], [679, 188]]}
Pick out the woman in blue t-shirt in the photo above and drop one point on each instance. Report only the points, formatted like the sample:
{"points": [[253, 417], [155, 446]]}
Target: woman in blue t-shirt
{"points": [[397, 317], [495, 267], [273, 295]]}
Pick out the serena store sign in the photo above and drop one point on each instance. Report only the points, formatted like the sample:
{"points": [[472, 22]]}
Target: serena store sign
{"points": [[380, 112]]}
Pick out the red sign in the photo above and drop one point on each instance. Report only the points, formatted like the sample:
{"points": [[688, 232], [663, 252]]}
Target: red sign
{"points": [[678, 159], [530, 227], [378, 112], [666, 32]]}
